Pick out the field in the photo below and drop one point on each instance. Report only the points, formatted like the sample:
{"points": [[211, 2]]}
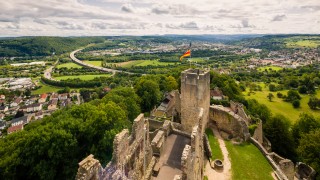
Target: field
{"points": [[214, 144], [45, 89], [278, 106], [247, 162], [303, 43], [69, 65], [95, 63], [82, 77], [275, 68]]}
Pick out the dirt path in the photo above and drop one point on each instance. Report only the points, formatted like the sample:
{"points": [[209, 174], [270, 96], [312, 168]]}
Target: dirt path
{"points": [[224, 174]]}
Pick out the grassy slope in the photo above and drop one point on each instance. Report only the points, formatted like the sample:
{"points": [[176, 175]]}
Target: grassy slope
{"points": [[275, 68], [45, 89], [145, 63], [82, 77], [214, 144], [69, 65], [278, 106], [247, 162]]}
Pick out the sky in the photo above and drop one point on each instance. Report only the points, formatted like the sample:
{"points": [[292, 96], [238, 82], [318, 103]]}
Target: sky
{"points": [[157, 17]]}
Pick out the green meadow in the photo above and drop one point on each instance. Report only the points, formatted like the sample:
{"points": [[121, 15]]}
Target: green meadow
{"points": [[68, 65], [247, 162], [278, 106]]}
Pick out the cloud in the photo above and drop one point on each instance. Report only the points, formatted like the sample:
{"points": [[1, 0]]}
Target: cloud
{"points": [[127, 8], [114, 17], [279, 17], [187, 26]]}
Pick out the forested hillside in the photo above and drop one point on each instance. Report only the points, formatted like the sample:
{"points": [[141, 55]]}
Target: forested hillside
{"points": [[43, 46]]}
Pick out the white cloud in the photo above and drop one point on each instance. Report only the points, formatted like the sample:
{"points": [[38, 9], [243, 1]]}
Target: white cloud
{"points": [[116, 17]]}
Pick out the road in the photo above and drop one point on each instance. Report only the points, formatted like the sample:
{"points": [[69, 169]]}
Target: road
{"points": [[47, 72], [77, 61]]}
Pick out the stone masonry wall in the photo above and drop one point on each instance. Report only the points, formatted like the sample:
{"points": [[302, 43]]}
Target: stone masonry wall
{"points": [[229, 122]]}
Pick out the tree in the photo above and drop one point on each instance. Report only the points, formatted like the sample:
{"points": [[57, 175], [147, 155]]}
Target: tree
{"points": [[19, 114], [296, 103], [270, 96], [292, 95], [279, 95], [171, 84], [305, 124], [277, 131], [302, 89], [308, 149], [127, 99], [149, 93], [272, 87], [314, 102]]}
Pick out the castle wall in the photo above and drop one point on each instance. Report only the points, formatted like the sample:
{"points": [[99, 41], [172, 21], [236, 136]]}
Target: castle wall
{"points": [[195, 94], [229, 122]]}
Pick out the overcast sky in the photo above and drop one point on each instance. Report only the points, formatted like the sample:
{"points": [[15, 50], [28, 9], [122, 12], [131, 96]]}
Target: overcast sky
{"points": [[149, 17]]}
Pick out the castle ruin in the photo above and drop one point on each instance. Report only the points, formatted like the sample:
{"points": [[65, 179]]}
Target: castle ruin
{"points": [[177, 149]]}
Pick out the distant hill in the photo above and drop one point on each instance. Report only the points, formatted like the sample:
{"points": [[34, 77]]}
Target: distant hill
{"points": [[42, 46], [276, 42]]}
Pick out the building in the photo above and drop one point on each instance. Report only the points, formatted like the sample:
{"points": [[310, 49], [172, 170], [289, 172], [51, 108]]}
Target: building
{"points": [[38, 115], [13, 129], [2, 116], [16, 102], [65, 103], [43, 98], [53, 104], [54, 96], [2, 125], [216, 94], [20, 120], [32, 108], [2, 96], [3, 109], [63, 96]]}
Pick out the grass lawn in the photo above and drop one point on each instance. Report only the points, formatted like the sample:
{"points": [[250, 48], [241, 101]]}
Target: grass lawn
{"points": [[45, 89], [82, 77], [95, 63], [214, 144], [275, 68], [247, 162], [69, 65], [278, 106]]}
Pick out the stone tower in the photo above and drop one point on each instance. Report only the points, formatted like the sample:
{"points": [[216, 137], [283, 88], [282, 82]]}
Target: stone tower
{"points": [[195, 94]]}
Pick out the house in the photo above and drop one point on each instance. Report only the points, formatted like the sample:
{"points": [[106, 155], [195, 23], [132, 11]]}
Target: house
{"points": [[13, 111], [16, 102], [38, 115], [2, 125], [63, 96], [32, 107], [167, 107], [3, 108], [2, 101], [216, 94], [43, 98], [20, 120], [2, 116], [53, 104], [2, 97], [66, 103], [13, 129], [106, 89], [54, 96]]}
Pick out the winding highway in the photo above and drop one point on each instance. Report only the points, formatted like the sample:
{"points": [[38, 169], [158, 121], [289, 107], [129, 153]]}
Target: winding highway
{"points": [[76, 60]]}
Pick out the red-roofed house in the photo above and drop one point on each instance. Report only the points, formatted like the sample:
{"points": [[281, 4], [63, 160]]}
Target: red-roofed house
{"points": [[15, 128], [43, 98]]}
